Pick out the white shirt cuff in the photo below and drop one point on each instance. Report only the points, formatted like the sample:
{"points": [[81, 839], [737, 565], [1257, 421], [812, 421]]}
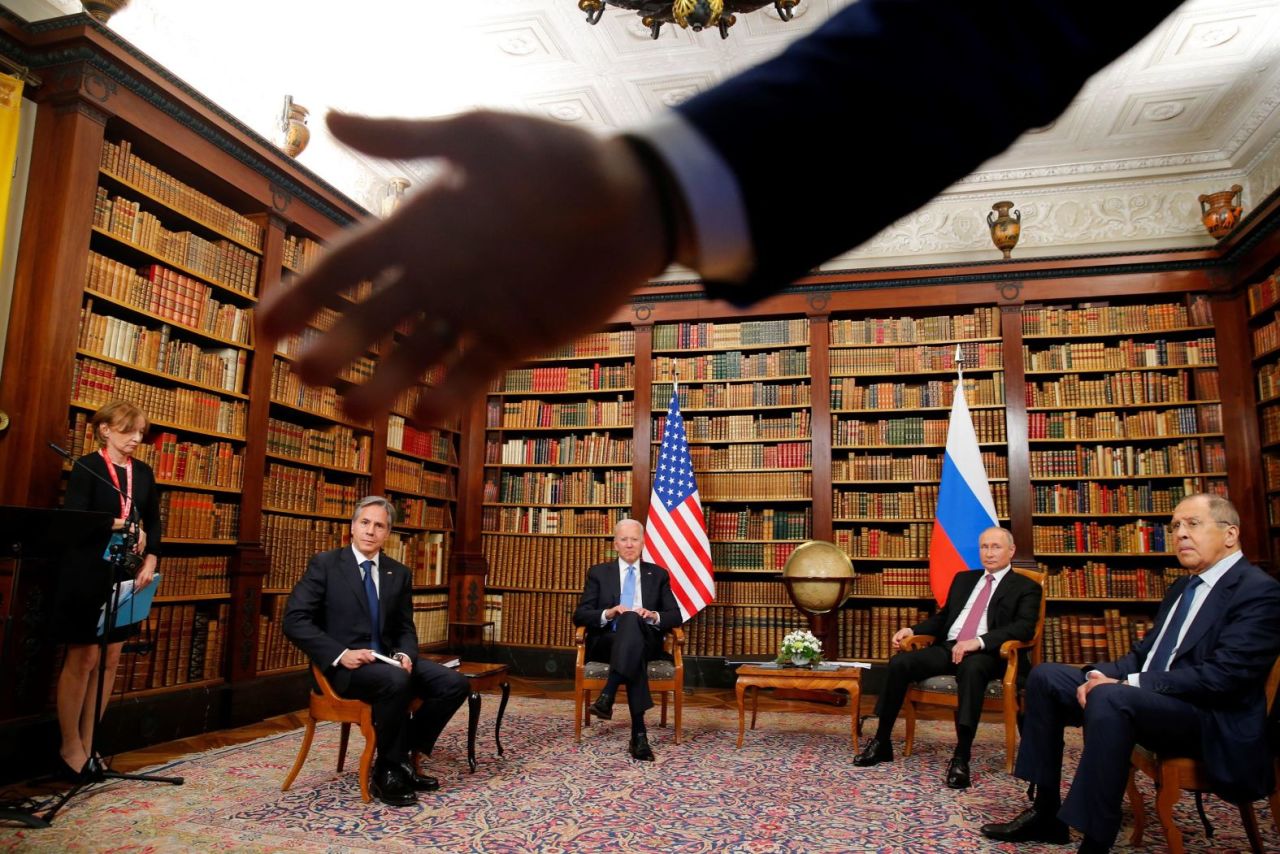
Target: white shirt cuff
{"points": [[722, 236]]}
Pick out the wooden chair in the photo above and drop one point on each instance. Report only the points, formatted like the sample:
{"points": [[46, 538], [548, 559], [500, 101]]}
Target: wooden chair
{"points": [[328, 706], [1003, 695], [1174, 774], [664, 676]]}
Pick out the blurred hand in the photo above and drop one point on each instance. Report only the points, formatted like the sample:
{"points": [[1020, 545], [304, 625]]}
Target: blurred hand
{"points": [[900, 635], [1092, 680], [532, 236], [963, 648], [354, 658]]}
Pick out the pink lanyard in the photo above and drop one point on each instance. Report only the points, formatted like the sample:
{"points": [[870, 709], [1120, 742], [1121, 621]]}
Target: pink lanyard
{"points": [[126, 497]]}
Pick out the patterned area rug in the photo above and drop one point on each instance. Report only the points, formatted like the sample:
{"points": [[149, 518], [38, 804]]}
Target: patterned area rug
{"points": [[791, 788]]}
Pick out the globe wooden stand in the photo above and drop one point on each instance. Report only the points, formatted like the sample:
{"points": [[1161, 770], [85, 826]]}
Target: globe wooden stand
{"points": [[818, 577]]}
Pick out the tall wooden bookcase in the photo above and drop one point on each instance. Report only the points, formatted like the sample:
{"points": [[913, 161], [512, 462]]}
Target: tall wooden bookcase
{"points": [[155, 223]]}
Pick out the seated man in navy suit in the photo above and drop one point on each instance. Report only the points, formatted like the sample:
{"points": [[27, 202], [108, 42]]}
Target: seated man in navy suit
{"points": [[1193, 686], [352, 614], [982, 611], [627, 607]]}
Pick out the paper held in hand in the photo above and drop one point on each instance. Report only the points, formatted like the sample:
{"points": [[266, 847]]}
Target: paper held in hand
{"points": [[132, 605]]}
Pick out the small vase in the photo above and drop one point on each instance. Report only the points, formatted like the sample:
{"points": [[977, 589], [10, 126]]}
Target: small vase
{"points": [[799, 661], [394, 196], [296, 134], [102, 10], [1220, 212], [1005, 229]]}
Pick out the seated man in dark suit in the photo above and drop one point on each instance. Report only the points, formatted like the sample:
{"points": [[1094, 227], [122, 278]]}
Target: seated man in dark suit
{"points": [[982, 611], [626, 614], [1193, 686], [332, 614]]}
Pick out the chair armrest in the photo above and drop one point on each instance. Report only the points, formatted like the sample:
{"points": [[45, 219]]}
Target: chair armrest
{"points": [[580, 641], [916, 642], [677, 646], [1009, 652]]}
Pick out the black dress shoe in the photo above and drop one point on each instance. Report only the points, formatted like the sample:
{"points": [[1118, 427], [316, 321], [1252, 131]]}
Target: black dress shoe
{"points": [[639, 747], [958, 773], [64, 772], [1092, 846], [1031, 825], [392, 788], [419, 782], [603, 707], [874, 753]]}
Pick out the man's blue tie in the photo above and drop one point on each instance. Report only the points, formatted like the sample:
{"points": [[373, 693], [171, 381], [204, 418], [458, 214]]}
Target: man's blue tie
{"points": [[1160, 659], [371, 592], [628, 591]]}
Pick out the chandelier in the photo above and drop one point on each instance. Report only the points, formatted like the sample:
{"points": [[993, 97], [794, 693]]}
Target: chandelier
{"points": [[698, 14]]}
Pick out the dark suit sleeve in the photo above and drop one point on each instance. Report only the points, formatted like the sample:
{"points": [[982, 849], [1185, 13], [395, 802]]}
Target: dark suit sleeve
{"points": [[149, 506], [668, 609], [957, 595], [590, 605], [868, 80], [402, 629], [303, 616]]}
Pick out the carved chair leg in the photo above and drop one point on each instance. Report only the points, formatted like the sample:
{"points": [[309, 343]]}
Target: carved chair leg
{"points": [[303, 749], [342, 745], [1167, 793], [1274, 800], [1137, 806], [679, 704], [1010, 733], [1249, 819], [366, 759], [909, 717], [663, 720], [579, 705]]}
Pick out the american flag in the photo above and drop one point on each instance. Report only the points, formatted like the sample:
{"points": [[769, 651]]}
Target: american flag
{"points": [[676, 534]]}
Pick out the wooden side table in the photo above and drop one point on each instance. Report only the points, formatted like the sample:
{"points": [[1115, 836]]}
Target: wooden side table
{"points": [[755, 676]]}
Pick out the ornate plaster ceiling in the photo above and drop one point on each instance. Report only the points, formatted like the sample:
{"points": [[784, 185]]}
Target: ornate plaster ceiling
{"points": [[1192, 109]]}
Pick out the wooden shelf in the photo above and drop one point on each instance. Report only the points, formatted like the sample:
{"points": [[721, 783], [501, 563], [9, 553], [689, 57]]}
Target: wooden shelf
{"points": [[1120, 369], [412, 456], [536, 393], [134, 188], [742, 348], [1134, 333], [942, 342], [1126, 406], [316, 464], [1109, 439], [951, 372], [169, 377], [197, 487], [172, 425], [177, 325], [332, 418]]}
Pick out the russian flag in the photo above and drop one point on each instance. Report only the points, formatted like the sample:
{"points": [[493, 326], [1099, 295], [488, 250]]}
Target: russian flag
{"points": [[965, 508]]}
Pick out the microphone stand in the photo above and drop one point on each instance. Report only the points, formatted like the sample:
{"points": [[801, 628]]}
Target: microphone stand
{"points": [[90, 773]]}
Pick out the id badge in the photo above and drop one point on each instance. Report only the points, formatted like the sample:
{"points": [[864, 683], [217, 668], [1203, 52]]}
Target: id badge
{"points": [[117, 539]]}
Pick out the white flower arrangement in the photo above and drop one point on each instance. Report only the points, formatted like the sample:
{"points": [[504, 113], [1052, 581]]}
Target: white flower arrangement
{"points": [[800, 647]]}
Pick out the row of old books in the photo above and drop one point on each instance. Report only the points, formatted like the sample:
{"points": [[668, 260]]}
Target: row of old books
{"points": [[337, 445], [431, 617], [784, 455], [988, 423], [733, 365], [155, 350], [432, 444], [867, 633], [310, 491], [751, 593], [1086, 639], [414, 476], [416, 513], [538, 618], [189, 646], [732, 395], [119, 160], [1267, 337], [543, 563], [751, 557], [493, 614], [570, 487], [597, 377], [550, 520], [766, 524], [300, 253], [1268, 382], [734, 630], [1097, 580], [1138, 537], [707, 335], [1103, 319], [846, 393], [275, 651], [219, 261], [906, 582], [1098, 356], [728, 428], [920, 503], [620, 342], [755, 486], [523, 414], [891, 467], [910, 541], [1144, 424], [911, 360], [198, 516], [1100, 498], [291, 541], [178, 407], [200, 575], [288, 389], [1270, 420], [1264, 294], [590, 449], [980, 323], [426, 554], [1126, 388], [1188, 457], [215, 464]]}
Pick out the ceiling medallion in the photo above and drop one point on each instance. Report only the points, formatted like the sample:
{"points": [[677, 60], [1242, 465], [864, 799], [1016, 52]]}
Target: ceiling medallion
{"points": [[698, 14]]}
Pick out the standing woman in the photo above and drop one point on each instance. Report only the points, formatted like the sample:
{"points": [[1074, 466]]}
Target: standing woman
{"points": [[87, 575]]}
